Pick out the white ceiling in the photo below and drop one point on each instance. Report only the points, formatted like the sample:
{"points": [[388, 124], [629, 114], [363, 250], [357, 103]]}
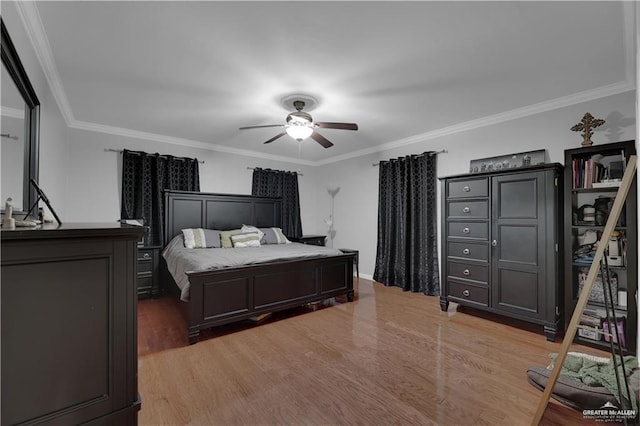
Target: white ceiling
{"points": [[193, 72]]}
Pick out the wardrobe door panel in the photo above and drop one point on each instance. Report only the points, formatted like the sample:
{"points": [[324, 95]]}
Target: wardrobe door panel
{"points": [[518, 249]]}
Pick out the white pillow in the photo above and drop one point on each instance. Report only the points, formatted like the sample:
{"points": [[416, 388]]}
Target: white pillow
{"points": [[249, 228], [246, 239]]}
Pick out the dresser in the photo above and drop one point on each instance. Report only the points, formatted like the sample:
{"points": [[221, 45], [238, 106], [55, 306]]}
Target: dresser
{"points": [[69, 336], [500, 243]]}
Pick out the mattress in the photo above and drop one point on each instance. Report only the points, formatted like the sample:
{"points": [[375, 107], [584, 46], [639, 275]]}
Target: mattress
{"points": [[181, 260]]}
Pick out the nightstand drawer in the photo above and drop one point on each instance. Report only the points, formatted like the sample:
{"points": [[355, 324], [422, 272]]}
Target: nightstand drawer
{"points": [[146, 254], [148, 275], [145, 266], [145, 283], [468, 293]]}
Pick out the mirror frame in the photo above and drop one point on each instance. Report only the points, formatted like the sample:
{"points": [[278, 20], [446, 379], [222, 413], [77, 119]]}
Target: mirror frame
{"points": [[13, 65]]}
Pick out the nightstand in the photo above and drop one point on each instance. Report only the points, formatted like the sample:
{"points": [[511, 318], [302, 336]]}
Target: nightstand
{"points": [[147, 277], [355, 258], [315, 240]]}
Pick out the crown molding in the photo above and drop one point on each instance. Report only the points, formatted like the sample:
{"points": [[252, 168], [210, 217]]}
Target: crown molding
{"points": [[587, 95], [33, 24], [11, 112], [119, 131], [30, 17]]}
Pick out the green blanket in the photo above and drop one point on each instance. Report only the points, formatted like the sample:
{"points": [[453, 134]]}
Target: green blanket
{"points": [[593, 371]]}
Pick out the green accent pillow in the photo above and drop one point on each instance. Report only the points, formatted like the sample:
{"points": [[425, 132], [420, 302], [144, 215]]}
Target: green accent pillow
{"points": [[225, 237]]}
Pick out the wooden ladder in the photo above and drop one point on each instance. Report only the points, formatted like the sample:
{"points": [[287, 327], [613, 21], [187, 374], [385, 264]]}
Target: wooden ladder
{"points": [[570, 334]]}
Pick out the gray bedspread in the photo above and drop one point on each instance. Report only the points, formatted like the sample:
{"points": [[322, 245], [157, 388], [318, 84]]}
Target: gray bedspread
{"points": [[181, 260]]}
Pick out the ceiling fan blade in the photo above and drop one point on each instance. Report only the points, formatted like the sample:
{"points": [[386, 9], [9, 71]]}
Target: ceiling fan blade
{"points": [[259, 127], [341, 126], [321, 140], [276, 137]]}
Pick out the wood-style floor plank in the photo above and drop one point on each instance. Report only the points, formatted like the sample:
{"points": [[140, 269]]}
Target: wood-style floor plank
{"points": [[389, 357]]}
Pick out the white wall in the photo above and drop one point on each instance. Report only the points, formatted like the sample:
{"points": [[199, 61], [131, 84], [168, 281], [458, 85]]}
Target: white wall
{"points": [[92, 191], [356, 204]]}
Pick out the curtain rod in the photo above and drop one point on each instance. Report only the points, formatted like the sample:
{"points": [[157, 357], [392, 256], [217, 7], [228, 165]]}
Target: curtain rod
{"points": [[9, 136], [442, 151], [298, 172], [163, 156]]}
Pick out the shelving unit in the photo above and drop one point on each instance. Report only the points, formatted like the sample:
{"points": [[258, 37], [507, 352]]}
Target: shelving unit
{"points": [[586, 211]]}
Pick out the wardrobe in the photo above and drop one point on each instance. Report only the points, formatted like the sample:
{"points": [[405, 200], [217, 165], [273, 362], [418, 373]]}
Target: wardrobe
{"points": [[500, 243]]}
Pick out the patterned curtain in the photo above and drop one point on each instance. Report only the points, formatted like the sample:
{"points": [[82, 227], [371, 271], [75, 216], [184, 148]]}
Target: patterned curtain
{"points": [[144, 178], [407, 252], [279, 183]]}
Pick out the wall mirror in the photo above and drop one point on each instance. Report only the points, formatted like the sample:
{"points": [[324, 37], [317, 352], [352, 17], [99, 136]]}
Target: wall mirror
{"points": [[20, 110]]}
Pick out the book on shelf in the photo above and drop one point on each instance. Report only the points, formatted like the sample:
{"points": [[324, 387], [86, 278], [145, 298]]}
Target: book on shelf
{"points": [[598, 171], [592, 321]]}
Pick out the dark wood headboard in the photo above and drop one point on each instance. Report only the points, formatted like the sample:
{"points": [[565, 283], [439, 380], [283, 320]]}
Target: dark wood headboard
{"points": [[184, 209]]}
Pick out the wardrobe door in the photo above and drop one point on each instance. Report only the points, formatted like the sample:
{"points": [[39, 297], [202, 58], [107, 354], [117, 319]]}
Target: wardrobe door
{"points": [[518, 244]]}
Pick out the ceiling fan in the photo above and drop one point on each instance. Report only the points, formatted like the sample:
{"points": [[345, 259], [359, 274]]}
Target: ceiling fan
{"points": [[300, 125]]}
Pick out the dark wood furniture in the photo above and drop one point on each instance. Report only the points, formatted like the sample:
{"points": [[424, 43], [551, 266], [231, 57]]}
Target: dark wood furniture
{"points": [[576, 227], [231, 294], [148, 278], [316, 240], [69, 341], [501, 233], [356, 256]]}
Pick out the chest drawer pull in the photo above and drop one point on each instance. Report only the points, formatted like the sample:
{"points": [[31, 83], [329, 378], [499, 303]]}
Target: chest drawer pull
{"points": [[467, 188], [465, 251], [146, 256], [466, 272], [466, 210], [465, 293], [466, 230]]}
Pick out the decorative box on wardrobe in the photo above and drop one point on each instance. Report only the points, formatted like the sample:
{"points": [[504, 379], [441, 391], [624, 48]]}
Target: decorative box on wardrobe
{"points": [[501, 235]]}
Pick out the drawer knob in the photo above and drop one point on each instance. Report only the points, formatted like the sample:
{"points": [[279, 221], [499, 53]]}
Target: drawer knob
{"points": [[466, 189], [146, 256], [466, 210], [465, 251], [465, 293], [466, 272], [494, 243], [466, 230]]}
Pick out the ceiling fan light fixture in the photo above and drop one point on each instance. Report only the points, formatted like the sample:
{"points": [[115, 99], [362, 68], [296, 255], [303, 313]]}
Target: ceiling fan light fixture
{"points": [[299, 130]]}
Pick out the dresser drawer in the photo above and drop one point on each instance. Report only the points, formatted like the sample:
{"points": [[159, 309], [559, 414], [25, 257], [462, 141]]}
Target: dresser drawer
{"points": [[468, 250], [468, 188], [468, 293], [472, 209], [468, 271], [473, 230]]}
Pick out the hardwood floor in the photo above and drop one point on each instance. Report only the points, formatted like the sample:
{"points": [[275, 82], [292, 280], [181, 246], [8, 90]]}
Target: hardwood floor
{"points": [[389, 357]]}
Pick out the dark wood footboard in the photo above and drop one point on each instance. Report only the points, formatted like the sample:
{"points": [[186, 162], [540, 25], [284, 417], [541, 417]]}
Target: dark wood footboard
{"points": [[228, 295]]}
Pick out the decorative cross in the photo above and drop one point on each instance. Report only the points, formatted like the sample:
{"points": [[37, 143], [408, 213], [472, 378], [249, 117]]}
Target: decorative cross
{"points": [[586, 126]]}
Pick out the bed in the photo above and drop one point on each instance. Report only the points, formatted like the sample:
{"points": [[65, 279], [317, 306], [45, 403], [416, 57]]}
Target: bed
{"points": [[219, 294]]}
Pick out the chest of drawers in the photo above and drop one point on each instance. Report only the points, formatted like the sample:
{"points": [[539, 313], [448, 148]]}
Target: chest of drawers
{"points": [[500, 244]]}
